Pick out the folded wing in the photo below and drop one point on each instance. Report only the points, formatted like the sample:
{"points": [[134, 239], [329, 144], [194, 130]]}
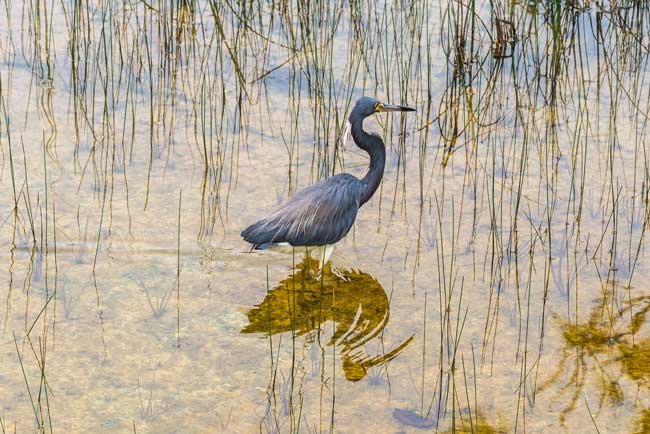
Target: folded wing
{"points": [[320, 214]]}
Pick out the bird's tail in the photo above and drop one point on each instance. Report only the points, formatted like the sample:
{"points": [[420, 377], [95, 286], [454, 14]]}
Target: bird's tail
{"points": [[260, 234]]}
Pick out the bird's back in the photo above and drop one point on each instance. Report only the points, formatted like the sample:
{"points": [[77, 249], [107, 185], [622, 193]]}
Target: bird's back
{"points": [[316, 215]]}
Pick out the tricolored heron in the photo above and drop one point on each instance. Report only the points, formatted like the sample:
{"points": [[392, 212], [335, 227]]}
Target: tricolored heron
{"points": [[323, 213]]}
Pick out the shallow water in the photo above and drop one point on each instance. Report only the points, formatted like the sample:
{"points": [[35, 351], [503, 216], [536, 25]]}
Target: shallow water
{"points": [[494, 283]]}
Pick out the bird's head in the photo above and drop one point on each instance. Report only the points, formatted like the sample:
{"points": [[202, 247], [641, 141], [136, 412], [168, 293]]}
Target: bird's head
{"points": [[367, 106]]}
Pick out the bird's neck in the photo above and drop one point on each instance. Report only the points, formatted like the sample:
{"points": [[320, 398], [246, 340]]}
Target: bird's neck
{"points": [[374, 146]]}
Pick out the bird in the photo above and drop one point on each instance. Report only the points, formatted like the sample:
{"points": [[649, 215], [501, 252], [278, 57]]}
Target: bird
{"points": [[320, 215]]}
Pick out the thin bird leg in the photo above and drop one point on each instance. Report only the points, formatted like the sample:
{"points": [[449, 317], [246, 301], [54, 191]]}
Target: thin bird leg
{"points": [[326, 252], [328, 249]]}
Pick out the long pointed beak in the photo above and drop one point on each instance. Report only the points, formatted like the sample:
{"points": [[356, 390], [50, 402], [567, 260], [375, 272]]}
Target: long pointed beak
{"points": [[395, 108]]}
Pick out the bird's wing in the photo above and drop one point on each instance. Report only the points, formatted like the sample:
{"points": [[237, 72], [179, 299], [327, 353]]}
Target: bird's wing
{"points": [[320, 214]]}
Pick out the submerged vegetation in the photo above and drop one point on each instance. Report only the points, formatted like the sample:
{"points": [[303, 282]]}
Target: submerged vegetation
{"points": [[503, 257], [613, 345]]}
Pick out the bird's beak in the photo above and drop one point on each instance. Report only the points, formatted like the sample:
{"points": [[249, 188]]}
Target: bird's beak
{"points": [[394, 108]]}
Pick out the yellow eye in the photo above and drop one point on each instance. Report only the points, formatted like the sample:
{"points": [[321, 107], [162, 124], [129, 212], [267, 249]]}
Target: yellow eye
{"points": [[378, 107]]}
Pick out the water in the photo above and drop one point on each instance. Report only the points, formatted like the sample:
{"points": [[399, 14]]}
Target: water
{"points": [[494, 283]]}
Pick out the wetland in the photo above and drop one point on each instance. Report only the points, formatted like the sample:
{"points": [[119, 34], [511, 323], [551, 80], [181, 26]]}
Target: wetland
{"points": [[494, 283]]}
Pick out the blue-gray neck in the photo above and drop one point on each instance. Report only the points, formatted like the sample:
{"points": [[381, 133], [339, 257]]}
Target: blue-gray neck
{"points": [[374, 146]]}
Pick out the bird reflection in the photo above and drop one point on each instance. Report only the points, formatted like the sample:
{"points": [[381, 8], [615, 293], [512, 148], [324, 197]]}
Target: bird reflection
{"points": [[355, 301]]}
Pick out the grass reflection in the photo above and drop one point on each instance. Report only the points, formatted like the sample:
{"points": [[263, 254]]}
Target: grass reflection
{"points": [[355, 301], [610, 348], [643, 423]]}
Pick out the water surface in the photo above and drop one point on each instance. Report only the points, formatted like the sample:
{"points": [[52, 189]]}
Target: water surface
{"points": [[494, 283]]}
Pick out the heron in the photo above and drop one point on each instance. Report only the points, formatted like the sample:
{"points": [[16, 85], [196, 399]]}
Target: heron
{"points": [[320, 215]]}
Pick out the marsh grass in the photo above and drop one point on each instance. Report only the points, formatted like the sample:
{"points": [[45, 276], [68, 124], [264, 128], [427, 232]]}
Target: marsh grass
{"points": [[158, 296], [70, 298], [517, 193], [147, 410]]}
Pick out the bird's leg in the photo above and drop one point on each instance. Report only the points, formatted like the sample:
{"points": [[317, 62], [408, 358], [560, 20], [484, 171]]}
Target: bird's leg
{"points": [[303, 270], [328, 249], [308, 261], [326, 252]]}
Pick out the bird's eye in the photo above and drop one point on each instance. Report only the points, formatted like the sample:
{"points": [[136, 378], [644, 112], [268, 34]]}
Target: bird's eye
{"points": [[378, 106]]}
